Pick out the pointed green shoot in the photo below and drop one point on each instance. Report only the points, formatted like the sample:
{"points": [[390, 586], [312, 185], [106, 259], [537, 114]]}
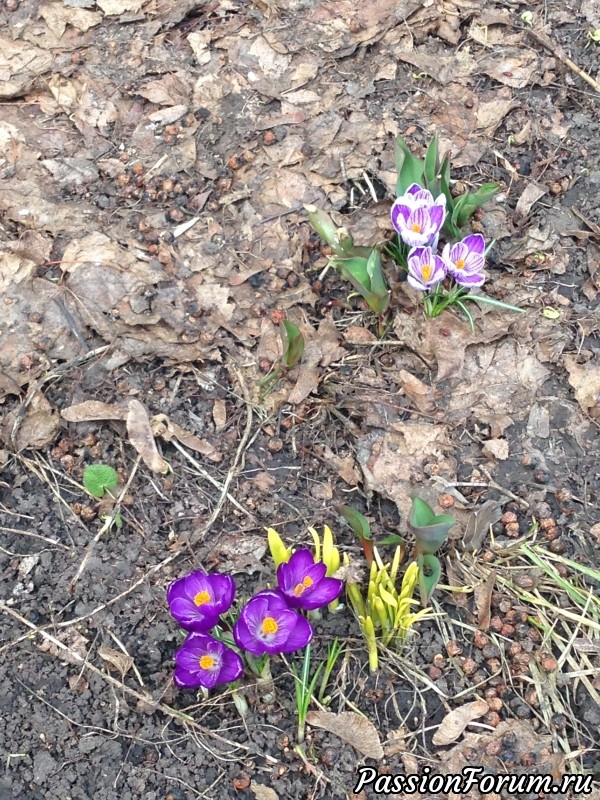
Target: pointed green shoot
{"points": [[430, 572], [432, 162], [408, 168], [293, 343], [362, 529]]}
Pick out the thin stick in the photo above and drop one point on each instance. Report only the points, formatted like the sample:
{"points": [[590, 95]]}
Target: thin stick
{"points": [[557, 51]]}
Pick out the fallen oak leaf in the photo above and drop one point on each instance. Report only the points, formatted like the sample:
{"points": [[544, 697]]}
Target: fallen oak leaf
{"points": [[139, 432], [454, 723], [352, 728]]}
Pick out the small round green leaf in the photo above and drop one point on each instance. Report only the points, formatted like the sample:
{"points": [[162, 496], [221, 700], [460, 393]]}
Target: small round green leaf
{"points": [[97, 478]]}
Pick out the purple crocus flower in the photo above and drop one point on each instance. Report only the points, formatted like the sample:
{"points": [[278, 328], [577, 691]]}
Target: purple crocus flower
{"points": [[205, 661], [417, 217], [197, 600], [465, 260], [267, 625], [303, 583], [425, 269]]}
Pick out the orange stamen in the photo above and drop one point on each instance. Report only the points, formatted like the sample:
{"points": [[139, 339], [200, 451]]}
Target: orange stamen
{"points": [[206, 662], [201, 599], [460, 263], [300, 587], [426, 272], [269, 626]]}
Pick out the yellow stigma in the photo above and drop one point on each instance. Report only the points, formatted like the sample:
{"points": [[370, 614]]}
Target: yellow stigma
{"points": [[426, 271], [206, 662], [269, 626], [300, 587], [416, 228], [460, 263], [201, 598]]}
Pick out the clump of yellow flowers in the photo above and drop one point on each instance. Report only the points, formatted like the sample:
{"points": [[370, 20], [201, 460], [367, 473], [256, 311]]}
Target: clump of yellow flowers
{"points": [[385, 613]]}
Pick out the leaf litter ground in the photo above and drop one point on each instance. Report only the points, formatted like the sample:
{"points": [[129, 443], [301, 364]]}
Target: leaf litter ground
{"points": [[155, 162]]}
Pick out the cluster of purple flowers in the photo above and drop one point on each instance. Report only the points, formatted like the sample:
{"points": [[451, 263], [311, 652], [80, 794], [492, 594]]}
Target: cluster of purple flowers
{"points": [[418, 219], [268, 624]]}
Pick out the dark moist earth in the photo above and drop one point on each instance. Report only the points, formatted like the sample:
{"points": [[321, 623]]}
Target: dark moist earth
{"points": [[88, 709]]}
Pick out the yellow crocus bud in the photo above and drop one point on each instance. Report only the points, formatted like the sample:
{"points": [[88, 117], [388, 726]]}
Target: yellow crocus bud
{"points": [[331, 555], [279, 552], [317, 542]]}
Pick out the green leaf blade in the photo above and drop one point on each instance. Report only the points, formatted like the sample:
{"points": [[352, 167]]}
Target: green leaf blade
{"points": [[99, 478]]}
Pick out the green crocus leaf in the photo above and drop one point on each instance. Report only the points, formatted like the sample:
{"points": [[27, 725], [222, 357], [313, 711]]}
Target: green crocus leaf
{"points": [[356, 270], [377, 281], [432, 162], [430, 530], [293, 343], [98, 478], [408, 168], [430, 572]]}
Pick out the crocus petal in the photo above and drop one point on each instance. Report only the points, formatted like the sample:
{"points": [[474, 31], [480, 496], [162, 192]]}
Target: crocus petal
{"points": [[323, 593], [416, 284], [436, 217], [189, 672], [231, 667], [299, 635], [223, 587], [400, 214], [186, 679], [243, 636], [414, 188], [475, 243], [474, 263], [439, 270], [189, 617], [472, 281]]}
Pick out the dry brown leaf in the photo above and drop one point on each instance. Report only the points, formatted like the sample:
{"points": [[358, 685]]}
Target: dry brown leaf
{"points": [[345, 466], [219, 414], [454, 723], [480, 749], [322, 348], [20, 66], [58, 16], [352, 728], [585, 379], [32, 426], [263, 792], [531, 195], [510, 66], [162, 426], [93, 411], [418, 392], [483, 601], [478, 524], [116, 659], [118, 7], [172, 89], [139, 431], [392, 461], [496, 448]]}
